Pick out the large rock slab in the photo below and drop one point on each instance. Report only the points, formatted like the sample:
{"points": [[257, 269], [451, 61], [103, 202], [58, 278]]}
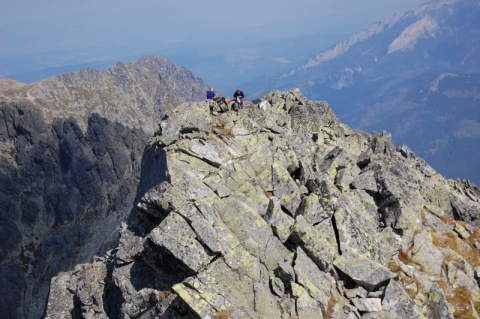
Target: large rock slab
{"points": [[174, 244], [363, 270]]}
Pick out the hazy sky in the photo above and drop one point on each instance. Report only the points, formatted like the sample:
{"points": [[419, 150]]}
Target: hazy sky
{"points": [[59, 32]]}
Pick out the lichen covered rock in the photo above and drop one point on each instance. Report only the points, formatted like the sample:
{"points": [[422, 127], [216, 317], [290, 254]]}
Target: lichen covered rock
{"points": [[279, 210]]}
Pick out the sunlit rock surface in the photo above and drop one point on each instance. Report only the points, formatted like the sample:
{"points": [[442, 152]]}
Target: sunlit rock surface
{"points": [[281, 211]]}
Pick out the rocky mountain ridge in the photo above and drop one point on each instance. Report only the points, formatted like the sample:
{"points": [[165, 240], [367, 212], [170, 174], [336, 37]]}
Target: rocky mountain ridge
{"points": [[281, 211], [71, 152], [134, 95]]}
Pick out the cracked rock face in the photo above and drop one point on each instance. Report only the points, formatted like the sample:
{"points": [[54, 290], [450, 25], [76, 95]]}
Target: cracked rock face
{"points": [[281, 211]]}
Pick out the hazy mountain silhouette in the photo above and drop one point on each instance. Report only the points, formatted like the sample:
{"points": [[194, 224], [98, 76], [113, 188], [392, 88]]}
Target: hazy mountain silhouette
{"points": [[414, 74]]}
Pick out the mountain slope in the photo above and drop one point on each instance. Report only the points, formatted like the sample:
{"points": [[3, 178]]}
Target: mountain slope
{"points": [[380, 79], [71, 152], [281, 211]]}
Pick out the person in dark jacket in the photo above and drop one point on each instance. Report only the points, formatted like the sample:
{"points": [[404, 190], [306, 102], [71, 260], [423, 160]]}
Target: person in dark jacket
{"points": [[239, 96], [210, 95]]}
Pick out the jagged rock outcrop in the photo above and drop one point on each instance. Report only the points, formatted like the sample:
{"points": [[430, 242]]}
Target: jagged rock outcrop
{"points": [[71, 152], [135, 95], [281, 211]]}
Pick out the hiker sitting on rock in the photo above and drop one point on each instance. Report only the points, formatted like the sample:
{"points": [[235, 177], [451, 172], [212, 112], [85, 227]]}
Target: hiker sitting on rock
{"points": [[239, 96], [210, 95]]}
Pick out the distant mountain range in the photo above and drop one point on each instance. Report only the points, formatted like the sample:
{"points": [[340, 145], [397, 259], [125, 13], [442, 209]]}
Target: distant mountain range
{"points": [[222, 63], [414, 74], [71, 147]]}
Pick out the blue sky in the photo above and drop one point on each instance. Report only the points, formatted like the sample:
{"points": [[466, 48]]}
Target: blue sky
{"points": [[37, 34]]}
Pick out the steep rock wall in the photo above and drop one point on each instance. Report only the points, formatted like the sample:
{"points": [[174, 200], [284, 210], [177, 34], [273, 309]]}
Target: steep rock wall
{"points": [[63, 194]]}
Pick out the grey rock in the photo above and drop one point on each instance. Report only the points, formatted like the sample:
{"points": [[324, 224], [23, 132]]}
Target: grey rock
{"points": [[255, 221], [317, 244], [397, 302], [437, 303], [316, 282], [312, 210], [462, 232], [367, 304], [363, 271], [280, 222], [458, 278], [377, 315], [366, 181], [361, 292], [174, 243], [346, 176], [306, 306], [351, 293], [356, 221], [141, 303], [425, 253], [64, 194]]}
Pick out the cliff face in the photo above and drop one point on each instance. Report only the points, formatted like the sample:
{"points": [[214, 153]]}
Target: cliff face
{"points": [[63, 193], [71, 152], [281, 211]]}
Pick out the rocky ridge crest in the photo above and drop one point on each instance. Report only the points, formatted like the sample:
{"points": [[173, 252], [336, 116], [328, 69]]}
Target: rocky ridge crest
{"points": [[131, 94], [281, 211]]}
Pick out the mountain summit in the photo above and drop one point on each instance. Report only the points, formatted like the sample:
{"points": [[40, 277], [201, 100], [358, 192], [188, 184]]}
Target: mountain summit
{"points": [[281, 211], [414, 74]]}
